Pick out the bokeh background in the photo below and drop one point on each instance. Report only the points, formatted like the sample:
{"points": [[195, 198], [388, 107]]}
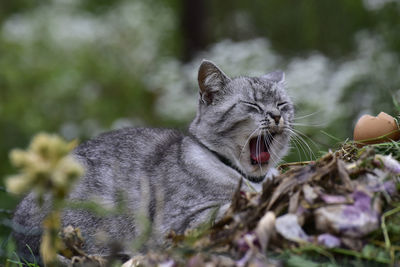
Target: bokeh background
{"points": [[81, 67]]}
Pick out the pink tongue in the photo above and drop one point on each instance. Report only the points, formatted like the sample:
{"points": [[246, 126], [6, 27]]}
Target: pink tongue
{"points": [[263, 157], [259, 154]]}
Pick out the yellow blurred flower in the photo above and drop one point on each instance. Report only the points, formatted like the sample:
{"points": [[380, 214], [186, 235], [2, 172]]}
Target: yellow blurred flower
{"points": [[17, 184], [45, 166]]}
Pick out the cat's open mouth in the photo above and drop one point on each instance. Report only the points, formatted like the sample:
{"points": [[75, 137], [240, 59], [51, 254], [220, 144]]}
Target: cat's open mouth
{"points": [[259, 149]]}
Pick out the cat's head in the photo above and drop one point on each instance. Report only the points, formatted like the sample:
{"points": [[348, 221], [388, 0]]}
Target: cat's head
{"points": [[245, 119]]}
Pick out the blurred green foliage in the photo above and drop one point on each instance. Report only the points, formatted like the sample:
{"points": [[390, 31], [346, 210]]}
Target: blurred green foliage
{"points": [[81, 67]]}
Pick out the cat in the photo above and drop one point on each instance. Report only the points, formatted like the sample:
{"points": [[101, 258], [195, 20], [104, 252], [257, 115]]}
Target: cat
{"points": [[241, 131]]}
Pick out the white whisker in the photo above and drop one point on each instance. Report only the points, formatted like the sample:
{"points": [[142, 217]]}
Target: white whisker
{"points": [[269, 144], [308, 125], [297, 136], [258, 150], [274, 158], [306, 116], [300, 147], [297, 143], [245, 144], [306, 136]]}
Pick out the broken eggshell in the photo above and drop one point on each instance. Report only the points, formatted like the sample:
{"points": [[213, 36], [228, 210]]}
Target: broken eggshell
{"points": [[379, 129]]}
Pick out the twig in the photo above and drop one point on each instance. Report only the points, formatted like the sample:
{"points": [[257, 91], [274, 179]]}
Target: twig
{"points": [[300, 163], [383, 245], [318, 249], [358, 255], [388, 244]]}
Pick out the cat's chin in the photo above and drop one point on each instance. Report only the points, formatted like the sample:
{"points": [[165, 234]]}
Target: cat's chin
{"points": [[257, 171]]}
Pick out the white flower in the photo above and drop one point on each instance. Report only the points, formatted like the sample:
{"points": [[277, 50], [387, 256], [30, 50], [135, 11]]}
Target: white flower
{"points": [[389, 163]]}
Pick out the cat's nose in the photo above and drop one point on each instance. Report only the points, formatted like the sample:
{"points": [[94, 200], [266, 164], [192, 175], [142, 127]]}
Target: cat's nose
{"points": [[276, 118]]}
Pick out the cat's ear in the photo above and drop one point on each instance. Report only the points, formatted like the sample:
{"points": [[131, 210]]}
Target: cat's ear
{"points": [[211, 79], [276, 76]]}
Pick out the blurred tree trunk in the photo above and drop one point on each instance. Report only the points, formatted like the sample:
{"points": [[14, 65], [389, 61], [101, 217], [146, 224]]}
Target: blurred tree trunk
{"points": [[193, 27]]}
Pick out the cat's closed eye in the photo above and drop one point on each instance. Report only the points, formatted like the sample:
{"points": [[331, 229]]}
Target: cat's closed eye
{"points": [[253, 106], [281, 105]]}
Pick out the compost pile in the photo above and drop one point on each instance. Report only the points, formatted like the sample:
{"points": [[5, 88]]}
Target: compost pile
{"points": [[344, 205]]}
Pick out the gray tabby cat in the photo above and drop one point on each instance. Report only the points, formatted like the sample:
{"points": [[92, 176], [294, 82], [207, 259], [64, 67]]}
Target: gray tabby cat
{"points": [[241, 130]]}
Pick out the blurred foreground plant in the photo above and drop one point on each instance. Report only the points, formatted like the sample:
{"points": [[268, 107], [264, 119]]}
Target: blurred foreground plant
{"points": [[46, 167]]}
